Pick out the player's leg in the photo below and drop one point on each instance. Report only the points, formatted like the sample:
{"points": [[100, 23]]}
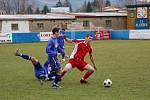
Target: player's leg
{"points": [[46, 66], [27, 57], [83, 65], [62, 52], [66, 69], [17, 53], [38, 74], [55, 67], [89, 70]]}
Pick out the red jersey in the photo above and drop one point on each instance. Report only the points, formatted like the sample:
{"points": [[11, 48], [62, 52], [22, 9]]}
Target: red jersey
{"points": [[80, 49]]}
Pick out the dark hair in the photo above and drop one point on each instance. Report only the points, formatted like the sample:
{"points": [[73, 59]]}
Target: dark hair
{"points": [[63, 29], [55, 30], [87, 35]]}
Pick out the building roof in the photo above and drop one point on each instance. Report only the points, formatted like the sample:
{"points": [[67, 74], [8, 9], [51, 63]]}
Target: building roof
{"points": [[30, 17], [63, 16], [96, 14], [101, 14]]}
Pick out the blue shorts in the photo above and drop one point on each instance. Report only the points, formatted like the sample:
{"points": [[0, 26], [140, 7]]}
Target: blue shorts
{"points": [[54, 63]]}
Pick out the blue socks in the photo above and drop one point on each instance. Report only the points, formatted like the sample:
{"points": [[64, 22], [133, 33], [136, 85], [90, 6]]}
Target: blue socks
{"points": [[27, 57]]}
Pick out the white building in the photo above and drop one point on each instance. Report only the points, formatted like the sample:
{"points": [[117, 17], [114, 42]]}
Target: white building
{"points": [[15, 26], [21, 23], [60, 9]]}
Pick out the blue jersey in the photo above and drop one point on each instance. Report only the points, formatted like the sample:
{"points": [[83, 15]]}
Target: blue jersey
{"points": [[39, 71], [52, 49], [61, 39], [52, 46]]}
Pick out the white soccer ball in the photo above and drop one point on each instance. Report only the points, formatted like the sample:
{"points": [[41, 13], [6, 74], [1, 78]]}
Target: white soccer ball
{"points": [[107, 83]]}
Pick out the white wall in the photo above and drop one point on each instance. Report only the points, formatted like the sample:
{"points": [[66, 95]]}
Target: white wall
{"points": [[60, 9], [139, 34], [23, 26]]}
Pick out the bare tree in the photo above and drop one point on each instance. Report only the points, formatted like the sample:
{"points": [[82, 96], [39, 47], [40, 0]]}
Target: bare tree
{"points": [[19, 6], [14, 6], [6, 6], [99, 4]]}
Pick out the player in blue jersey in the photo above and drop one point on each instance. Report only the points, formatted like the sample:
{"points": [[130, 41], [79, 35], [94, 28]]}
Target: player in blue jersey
{"points": [[39, 71], [52, 49], [61, 44]]}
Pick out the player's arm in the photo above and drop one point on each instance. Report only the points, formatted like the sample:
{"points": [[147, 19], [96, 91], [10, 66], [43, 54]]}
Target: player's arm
{"points": [[68, 40], [49, 47], [92, 59], [72, 40]]}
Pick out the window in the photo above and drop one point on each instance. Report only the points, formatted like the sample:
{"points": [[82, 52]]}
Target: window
{"points": [[14, 27], [131, 14], [40, 25], [109, 23], [86, 23]]}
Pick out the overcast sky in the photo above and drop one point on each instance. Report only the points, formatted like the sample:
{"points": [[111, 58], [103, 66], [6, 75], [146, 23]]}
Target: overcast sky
{"points": [[75, 3]]}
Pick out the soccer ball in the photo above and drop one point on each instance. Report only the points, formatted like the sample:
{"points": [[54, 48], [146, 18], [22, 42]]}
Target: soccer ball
{"points": [[107, 83]]}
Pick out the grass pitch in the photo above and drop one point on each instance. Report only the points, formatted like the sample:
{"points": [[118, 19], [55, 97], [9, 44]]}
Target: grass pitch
{"points": [[125, 62]]}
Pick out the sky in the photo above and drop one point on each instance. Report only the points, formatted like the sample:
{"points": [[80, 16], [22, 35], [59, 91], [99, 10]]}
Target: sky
{"points": [[75, 3]]}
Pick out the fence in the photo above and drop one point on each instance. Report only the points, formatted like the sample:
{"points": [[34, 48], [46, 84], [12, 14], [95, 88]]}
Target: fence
{"points": [[75, 34]]}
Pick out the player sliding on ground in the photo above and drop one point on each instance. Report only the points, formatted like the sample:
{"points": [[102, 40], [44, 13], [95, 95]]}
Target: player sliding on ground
{"points": [[39, 71]]}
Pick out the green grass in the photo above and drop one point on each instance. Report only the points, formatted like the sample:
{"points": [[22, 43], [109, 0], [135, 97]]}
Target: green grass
{"points": [[125, 62]]}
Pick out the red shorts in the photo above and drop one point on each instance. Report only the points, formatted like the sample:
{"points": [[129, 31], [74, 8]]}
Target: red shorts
{"points": [[79, 63]]}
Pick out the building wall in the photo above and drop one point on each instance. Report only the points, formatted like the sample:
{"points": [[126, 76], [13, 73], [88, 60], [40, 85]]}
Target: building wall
{"points": [[23, 26], [0, 26], [149, 17], [48, 25], [131, 18], [138, 19], [117, 22]]}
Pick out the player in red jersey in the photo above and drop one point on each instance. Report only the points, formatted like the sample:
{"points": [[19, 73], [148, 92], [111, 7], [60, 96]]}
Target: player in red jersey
{"points": [[77, 58]]}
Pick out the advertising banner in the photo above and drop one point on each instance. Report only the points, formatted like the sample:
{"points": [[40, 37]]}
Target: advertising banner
{"points": [[25, 37], [139, 34], [6, 38], [141, 23], [44, 36]]}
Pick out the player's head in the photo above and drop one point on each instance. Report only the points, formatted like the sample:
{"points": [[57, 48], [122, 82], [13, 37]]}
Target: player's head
{"points": [[55, 32], [88, 38]]}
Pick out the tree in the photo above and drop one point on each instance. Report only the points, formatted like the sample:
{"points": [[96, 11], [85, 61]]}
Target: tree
{"points": [[45, 9], [6, 6], [19, 6], [29, 10], [99, 5], [89, 7], [37, 11], [16, 6], [59, 4], [83, 7], [108, 3]]}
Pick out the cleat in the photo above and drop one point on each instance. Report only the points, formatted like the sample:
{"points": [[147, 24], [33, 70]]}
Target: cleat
{"points": [[82, 81], [17, 52], [41, 79], [41, 82], [51, 78], [55, 86]]}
